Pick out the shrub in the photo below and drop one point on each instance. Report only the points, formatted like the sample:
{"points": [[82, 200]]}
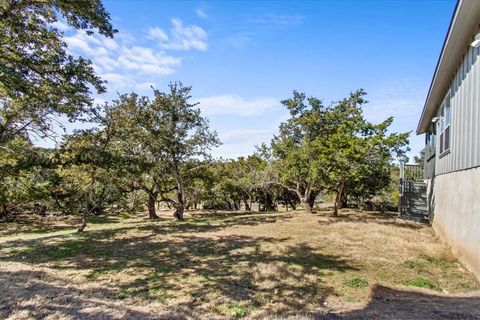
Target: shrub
{"points": [[356, 283]]}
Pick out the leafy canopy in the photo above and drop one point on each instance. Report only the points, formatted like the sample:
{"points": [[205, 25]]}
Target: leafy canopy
{"points": [[39, 78]]}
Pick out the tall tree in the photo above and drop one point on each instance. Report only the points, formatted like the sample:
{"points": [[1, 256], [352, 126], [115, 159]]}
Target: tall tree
{"points": [[295, 149], [183, 133], [327, 148], [39, 79], [162, 140]]}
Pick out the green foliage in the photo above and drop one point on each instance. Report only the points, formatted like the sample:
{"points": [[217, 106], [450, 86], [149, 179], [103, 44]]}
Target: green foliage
{"points": [[38, 77], [83, 183], [356, 283], [237, 311], [422, 283], [334, 149], [158, 146], [26, 175]]}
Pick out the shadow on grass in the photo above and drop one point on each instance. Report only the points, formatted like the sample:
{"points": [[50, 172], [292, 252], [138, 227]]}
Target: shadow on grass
{"points": [[256, 272], [386, 218], [38, 295], [394, 304], [214, 222]]}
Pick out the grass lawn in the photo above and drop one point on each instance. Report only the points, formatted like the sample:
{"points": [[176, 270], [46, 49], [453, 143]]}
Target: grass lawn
{"points": [[232, 265]]}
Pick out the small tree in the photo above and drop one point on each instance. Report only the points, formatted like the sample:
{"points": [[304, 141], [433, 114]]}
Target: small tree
{"points": [[84, 184]]}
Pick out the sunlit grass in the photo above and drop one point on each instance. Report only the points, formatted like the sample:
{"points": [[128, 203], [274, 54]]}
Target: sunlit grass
{"points": [[241, 265]]}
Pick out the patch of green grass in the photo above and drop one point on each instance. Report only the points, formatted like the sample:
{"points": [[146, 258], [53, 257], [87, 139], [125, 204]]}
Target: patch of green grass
{"points": [[356, 283], [422, 283], [438, 261], [236, 311], [468, 286]]}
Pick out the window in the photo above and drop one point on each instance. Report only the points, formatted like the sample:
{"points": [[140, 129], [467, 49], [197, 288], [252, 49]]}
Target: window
{"points": [[444, 124], [430, 138]]}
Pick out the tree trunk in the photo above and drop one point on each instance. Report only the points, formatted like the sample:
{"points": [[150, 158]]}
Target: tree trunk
{"points": [[305, 200], [343, 199], [152, 199], [180, 205], [338, 198], [293, 205], [247, 205], [306, 205], [228, 203], [84, 222]]}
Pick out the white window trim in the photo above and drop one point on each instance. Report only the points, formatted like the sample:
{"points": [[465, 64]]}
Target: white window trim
{"points": [[442, 123]]}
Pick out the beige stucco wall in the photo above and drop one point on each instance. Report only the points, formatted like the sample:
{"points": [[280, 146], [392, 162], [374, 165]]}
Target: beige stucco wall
{"points": [[456, 201]]}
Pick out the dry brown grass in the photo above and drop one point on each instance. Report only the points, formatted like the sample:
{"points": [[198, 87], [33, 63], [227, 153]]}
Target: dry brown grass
{"points": [[233, 265]]}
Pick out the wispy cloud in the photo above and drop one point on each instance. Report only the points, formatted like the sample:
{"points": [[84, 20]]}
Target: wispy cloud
{"points": [[236, 105], [247, 136], [180, 37], [271, 21], [240, 40], [402, 99], [127, 65], [122, 64], [242, 141], [61, 25], [201, 13], [256, 24]]}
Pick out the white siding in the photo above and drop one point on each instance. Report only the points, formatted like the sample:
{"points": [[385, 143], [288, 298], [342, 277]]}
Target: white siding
{"points": [[465, 132]]}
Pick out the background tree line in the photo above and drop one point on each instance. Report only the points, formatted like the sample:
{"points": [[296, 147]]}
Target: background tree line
{"points": [[143, 151]]}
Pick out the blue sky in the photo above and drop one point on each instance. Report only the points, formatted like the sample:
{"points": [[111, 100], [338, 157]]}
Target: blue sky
{"points": [[242, 58]]}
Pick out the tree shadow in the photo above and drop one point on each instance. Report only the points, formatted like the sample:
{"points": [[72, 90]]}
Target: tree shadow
{"points": [[387, 218], [38, 295], [259, 272], [388, 303], [202, 223]]}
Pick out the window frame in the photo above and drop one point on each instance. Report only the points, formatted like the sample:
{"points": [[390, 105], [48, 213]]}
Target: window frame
{"points": [[445, 124]]}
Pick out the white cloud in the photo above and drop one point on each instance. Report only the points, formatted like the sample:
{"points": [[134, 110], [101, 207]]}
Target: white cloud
{"points": [[62, 26], [180, 37], [110, 43], [402, 99], [273, 21], [247, 136], [242, 141], [145, 60], [99, 101], [118, 80], [158, 33], [120, 61], [253, 25], [236, 105], [78, 41], [399, 99], [201, 13], [239, 40]]}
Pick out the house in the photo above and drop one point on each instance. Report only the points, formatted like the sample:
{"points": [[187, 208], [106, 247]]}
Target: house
{"points": [[451, 123]]}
